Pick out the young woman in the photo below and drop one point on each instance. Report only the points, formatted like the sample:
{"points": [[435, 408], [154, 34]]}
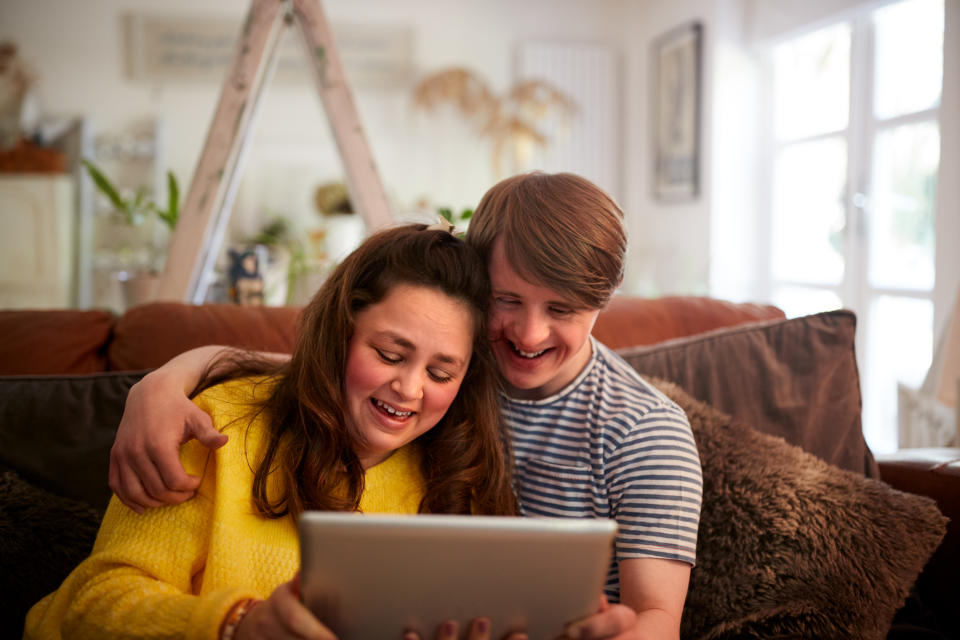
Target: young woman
{"points": [[389, 404]]}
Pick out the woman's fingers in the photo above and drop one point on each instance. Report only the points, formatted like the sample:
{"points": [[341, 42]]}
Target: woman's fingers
{"points": [[479, 629]]}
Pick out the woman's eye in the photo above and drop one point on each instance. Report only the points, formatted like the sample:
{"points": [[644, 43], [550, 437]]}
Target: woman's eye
{"points": [[386, 356], [506, 301], [439, 376]]}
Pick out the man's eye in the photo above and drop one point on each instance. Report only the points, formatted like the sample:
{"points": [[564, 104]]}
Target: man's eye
{"points": [[386, 356], [561, 311], [507, 301]]}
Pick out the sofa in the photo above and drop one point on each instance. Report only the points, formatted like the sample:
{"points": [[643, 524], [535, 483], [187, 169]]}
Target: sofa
{"points": [[803, 532]]}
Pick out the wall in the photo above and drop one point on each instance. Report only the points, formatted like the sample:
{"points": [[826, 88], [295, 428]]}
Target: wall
{"points": [[670, 243], [76, 48]]}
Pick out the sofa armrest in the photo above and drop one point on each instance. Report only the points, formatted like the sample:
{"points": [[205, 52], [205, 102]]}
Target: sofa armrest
{"points": [[934, 473]]}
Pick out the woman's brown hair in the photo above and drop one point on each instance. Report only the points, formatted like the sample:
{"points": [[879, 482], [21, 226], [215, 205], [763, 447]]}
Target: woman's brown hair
{"points": [[559, 230], [465, 462]]}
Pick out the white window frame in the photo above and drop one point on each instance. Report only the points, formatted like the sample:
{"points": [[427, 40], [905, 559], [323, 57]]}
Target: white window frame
{"points": [[855, 291]]}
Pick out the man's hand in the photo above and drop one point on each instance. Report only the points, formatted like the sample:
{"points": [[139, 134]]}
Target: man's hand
{"points": [[652, 592], [145, 469], [611, 621]]}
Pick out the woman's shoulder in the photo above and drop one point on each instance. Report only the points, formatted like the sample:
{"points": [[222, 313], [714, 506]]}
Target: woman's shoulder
{"points": [[249, 390], [235, 407]]}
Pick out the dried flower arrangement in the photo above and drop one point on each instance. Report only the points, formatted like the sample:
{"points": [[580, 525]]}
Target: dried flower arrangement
{"points": [[508, 120]]}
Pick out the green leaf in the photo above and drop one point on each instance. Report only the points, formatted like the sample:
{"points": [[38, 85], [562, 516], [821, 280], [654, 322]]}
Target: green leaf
{"points": [[446, 213], [466, 214], [138, 197], [106, 187], [172, 213]]}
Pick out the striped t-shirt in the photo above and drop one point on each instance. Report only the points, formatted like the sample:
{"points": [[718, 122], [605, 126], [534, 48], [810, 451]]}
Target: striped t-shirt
{"points": [[609, 445]]}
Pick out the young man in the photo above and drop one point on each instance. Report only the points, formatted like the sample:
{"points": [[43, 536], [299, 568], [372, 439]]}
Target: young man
{"points": [[590, 438]]}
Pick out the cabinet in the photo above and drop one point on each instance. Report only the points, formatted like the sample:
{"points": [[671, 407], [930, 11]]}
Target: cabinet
{"points": [[37, 248]]}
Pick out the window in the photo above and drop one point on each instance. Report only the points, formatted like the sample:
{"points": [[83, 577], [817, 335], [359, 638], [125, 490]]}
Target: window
{"points": [[854, 147]]}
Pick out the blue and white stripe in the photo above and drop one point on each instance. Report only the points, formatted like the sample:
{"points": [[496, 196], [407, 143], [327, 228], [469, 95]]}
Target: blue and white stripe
{"points": [[611, 446]]}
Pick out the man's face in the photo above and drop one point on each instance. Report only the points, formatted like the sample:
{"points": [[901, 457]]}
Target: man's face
{"points": [[540, 337]]}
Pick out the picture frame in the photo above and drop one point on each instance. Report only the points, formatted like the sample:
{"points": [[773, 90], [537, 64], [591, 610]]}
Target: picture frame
{"points": [[677, 79]]}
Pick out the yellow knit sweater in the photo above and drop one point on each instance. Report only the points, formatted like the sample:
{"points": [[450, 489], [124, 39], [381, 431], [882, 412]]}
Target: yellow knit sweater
{"points": [[174, 572]]}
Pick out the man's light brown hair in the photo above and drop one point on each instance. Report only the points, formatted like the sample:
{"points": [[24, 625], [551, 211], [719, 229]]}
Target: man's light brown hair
{"points": [[559, 230]]}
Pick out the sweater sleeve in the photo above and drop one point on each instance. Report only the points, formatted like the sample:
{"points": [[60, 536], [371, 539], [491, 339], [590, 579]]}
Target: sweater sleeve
{"points": [[139, 578]]}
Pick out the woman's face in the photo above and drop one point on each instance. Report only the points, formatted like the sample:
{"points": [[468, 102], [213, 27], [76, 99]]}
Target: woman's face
{"points": [[405, 363]]}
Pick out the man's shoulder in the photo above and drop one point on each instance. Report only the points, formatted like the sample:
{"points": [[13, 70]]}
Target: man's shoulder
{"points": [[627, 393]]}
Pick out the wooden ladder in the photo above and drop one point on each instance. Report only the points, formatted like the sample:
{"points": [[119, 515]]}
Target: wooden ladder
{"points": [[198, 236]]}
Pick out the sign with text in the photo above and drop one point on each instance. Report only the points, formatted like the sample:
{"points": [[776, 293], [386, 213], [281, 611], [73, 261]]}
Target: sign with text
{"points": [[184, 49]]}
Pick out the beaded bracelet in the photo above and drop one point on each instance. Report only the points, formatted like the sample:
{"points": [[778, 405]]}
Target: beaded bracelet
{"points": [[234, 616]]}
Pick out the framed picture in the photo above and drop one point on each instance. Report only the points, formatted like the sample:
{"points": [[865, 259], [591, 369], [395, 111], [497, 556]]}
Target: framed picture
{"points": [[676, 113]]}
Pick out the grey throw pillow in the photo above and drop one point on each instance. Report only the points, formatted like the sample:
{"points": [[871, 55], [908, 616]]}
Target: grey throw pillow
{"points": [[56, 431]]}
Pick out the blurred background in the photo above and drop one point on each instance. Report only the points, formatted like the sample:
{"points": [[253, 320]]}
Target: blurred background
{"points": [[804, 154]]}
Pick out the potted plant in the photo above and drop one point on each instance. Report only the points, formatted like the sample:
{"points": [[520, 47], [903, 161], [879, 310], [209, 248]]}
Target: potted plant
{"points": [[139, 210]]}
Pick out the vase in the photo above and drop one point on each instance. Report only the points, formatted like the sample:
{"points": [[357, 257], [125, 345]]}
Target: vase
{"points": [[138, 287]]}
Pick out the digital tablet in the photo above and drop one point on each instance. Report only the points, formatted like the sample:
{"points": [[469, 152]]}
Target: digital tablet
{"points": [[375, 576]]}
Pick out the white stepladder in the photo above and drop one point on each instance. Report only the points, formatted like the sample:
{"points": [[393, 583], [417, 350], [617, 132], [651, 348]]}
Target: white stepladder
{"points": [[198, 236]]}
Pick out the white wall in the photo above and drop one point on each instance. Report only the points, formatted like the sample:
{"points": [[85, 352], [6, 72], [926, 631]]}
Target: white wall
{"points": [[669, 243], [76, 49]]}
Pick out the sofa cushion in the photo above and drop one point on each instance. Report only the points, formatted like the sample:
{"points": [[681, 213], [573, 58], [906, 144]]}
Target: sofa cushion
{"points": [[44, 537], [630, 320], [792, 547], [54, 341], [147, 336], [794, 378], [56, 431]]}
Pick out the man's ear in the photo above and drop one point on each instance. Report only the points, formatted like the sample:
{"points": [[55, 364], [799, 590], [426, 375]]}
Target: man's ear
{"points": [[612, 294]]}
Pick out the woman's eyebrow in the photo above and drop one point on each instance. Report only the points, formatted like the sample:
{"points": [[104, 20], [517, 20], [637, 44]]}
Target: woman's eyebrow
{"points": [[457, 362]]}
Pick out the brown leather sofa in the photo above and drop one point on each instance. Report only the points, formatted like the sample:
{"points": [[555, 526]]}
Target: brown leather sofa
{"points": [[74, 342], [794, 379]]}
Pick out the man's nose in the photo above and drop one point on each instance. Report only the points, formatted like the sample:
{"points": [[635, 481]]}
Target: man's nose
{"points": [[532, 329]]}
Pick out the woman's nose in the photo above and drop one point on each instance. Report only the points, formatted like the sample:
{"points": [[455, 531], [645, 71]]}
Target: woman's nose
{"points": [[408, 385]]}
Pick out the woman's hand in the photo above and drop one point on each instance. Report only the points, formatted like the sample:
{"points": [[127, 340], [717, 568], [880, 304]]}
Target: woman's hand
{"points": [[282, 615], [450, 630]]}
